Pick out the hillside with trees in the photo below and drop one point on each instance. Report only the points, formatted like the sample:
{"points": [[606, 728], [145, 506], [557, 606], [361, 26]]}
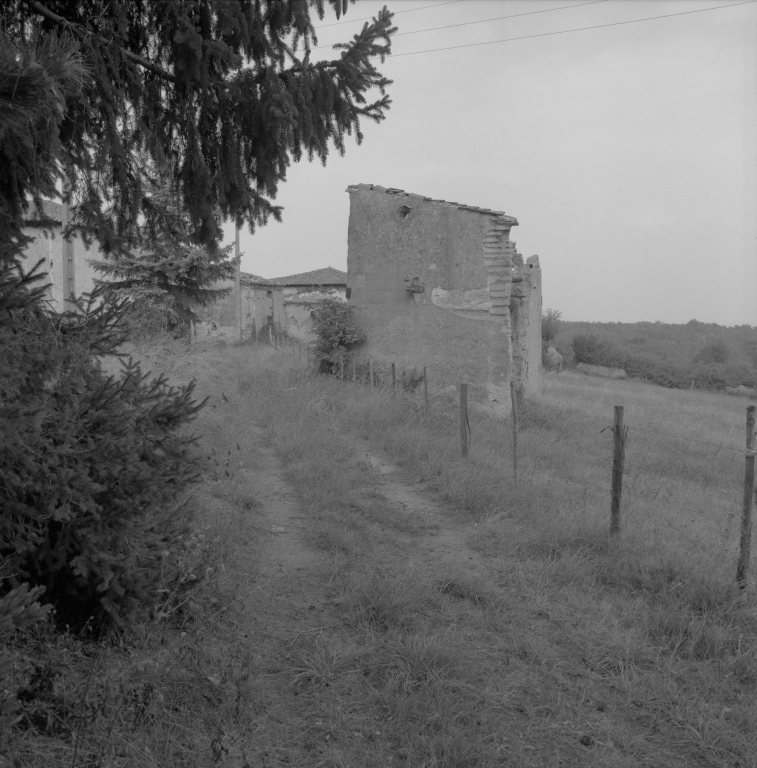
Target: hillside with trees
{"points": [[712, 356]]}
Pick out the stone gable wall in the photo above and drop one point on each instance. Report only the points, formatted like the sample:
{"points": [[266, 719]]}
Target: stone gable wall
{"points": [[444, 287]]}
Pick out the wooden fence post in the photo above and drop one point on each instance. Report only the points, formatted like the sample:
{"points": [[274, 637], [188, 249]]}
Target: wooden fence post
{"points": [[270, 336], [425, 388], [394, 381], [370, 370], [464, 418], [618, 455], [514, 402], [745, 545], [341, 368], [354, 370]]}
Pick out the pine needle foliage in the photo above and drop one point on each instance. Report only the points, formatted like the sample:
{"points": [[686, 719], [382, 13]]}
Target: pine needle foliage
{"points": [[90, 466], [223, 91], [168, 272], [88, 463]]}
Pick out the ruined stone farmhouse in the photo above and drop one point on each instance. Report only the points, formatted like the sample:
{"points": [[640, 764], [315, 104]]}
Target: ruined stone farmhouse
{"points": [[440, 284], [283, 304]]}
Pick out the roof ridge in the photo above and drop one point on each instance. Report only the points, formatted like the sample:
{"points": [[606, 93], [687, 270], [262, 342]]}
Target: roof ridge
{"points": [[401, 193], [321, 276]]}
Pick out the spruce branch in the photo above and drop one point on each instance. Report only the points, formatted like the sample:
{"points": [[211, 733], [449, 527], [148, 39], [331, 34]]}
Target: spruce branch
{"points": [[82, 32]]}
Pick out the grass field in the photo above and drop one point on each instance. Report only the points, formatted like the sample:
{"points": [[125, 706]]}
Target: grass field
{"points": [[502, 627], [644, 652]]}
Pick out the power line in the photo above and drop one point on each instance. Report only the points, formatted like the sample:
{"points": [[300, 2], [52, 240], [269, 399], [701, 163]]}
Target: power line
{"points": [[498, 18], [368, 18], [482, 21], [579, 29]]}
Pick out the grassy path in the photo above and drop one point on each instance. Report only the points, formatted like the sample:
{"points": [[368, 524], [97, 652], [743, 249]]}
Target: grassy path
{"points": [[390, 625], [355, 594]]}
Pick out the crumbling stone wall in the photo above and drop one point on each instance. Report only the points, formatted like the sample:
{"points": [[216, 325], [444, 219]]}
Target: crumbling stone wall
{"points": [[525, 313], [440, 284], [262, 303]]}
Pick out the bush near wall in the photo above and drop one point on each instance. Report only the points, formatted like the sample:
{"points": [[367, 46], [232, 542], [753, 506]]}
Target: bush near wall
{"points": [[336, 332]]}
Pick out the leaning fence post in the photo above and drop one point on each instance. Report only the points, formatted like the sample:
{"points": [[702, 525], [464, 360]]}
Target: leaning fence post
{"points": [[745, 545], [425, 388], [618, 455], [370, 370], [464, 418], [394, 381], [514, 401]]}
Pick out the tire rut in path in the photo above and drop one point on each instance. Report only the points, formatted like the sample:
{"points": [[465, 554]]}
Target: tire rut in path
{"points": [[446, 545]]}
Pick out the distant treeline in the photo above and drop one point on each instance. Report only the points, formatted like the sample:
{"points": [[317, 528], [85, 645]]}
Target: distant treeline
{"points": [[712, 356]]}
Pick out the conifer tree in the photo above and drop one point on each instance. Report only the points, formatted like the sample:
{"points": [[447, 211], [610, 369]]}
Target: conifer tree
{"points": [[167, 269], [222, 90], [215, 90]]}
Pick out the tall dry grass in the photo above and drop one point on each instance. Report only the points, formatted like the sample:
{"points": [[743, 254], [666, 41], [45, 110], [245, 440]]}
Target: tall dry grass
{"points": [[642, 656], [684, 461], [570, 649]]}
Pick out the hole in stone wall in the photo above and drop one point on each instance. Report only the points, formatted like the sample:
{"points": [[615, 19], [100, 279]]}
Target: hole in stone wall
{"points": [[403, 211]]}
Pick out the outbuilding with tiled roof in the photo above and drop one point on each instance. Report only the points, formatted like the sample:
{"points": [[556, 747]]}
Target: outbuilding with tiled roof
{"points": [[327, 276]]}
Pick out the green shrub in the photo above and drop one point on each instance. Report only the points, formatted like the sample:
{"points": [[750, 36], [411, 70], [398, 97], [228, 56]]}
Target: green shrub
{"points": [[336, 332], [716, 352], [595, 350], [411, 380], [150, 317], [89, 466], [550, 326], [646, 366]]}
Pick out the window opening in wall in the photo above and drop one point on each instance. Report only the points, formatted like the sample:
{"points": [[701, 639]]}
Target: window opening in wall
{"points": [[403, 211], [69, 281]]}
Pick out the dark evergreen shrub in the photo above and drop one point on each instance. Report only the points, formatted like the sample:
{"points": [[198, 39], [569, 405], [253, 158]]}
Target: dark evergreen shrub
{"points": [[89, 467]]}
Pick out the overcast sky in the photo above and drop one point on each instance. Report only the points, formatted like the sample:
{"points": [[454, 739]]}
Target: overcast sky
{"points": [[627, 153]]}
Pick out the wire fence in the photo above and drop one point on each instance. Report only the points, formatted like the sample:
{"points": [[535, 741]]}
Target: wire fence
{"points": [[711, 502]]}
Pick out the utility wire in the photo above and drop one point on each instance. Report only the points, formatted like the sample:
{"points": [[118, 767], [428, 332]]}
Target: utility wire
{"points": [[498, 18], [483, 21], [579, 29], [368, 18]]}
